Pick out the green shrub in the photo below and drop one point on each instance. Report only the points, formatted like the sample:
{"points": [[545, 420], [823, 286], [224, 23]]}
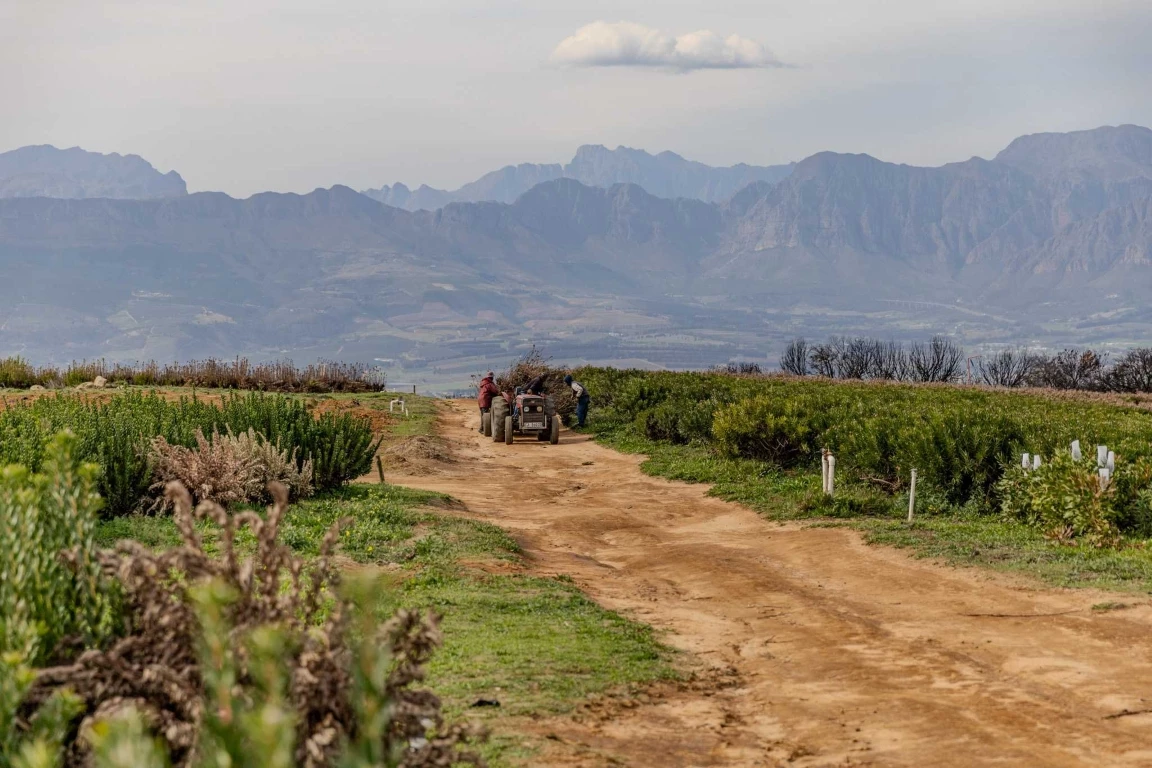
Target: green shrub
{"points": [[1063, 498], [44, 600], [767, 428], [116, 434], [679, 420], [963, 457], [958, 439]]}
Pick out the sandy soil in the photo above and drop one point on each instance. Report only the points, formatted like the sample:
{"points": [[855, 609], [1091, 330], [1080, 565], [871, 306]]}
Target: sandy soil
{"points": [[815, 649]]}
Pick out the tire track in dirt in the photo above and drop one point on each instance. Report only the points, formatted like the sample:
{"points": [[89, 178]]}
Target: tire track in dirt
{"points": [[816, 649]]}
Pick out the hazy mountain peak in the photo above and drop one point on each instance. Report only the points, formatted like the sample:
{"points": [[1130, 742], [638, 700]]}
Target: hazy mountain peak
{"points": [[1109, 153], [45, 171], [665, 174]]}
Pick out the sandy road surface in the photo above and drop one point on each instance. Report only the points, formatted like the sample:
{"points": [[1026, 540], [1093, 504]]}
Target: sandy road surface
{"points": [[819, 650]]}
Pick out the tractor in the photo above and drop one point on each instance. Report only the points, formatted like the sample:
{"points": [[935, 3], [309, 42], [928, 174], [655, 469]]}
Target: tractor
{"points": [[531, 415]]}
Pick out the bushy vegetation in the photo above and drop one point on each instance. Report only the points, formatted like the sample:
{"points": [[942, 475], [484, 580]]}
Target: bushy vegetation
{"points": [[233, 642], [226, 661], [277, 376], [46, 601], [1068, 499], [962, 441], [120, 435], [943, 360]]}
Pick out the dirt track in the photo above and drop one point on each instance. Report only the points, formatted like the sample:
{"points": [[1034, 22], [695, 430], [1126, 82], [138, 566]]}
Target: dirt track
{"points": [[819, 650]]}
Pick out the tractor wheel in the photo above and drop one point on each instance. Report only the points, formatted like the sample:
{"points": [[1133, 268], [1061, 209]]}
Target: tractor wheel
{"points": [[496, 420], [486, 424], [542, 435], [508, 434], [554, 431]]}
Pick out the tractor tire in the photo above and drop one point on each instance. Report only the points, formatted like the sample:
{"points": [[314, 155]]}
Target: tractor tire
{"points": [[486, 424], [542, 435], [549, 406], [509, 436], [496, 420], [553, 431]]}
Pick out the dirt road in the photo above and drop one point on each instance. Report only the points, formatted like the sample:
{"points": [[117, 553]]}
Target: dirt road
{"points": [[819, 650]]}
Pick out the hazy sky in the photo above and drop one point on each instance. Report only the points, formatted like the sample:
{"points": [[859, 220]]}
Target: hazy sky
{"points": [[249, 95]]}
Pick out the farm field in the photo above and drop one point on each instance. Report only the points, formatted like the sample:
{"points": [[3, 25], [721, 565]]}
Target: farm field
{"points": [[810, 647], [598, 610]]}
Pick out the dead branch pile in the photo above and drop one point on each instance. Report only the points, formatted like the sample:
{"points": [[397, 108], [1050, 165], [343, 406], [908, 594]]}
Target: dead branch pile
{"points": [[531, 364]]}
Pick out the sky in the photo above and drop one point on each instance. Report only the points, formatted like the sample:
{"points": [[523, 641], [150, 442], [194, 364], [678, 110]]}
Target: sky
{"points": [[244, 96]]}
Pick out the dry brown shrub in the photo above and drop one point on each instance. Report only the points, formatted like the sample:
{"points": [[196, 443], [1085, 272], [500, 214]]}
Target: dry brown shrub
{"points": [[270, 464], [216, 470], [155, 667]]}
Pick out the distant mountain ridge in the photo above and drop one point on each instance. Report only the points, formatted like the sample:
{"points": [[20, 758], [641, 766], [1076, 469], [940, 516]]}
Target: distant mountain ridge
{"points": [[1051, 239], [666, 174], [45, 171]]}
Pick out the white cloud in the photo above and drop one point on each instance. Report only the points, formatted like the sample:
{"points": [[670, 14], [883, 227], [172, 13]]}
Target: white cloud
{"points": [[624, 44]]}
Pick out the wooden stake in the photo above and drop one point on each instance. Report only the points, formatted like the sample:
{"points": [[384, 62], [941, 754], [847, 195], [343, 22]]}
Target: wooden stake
{"points": [[380, 469], [912, 497]]}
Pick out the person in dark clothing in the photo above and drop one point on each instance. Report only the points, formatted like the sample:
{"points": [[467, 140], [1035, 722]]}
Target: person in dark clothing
{"points": [[583, 399], [536, 386], [488, 390]]}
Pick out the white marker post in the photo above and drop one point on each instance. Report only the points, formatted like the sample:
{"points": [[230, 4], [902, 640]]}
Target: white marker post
{"points": [[912, 496], [1026, 462], [1036, 461], [1101, 455], [831, 475], [824, 471], [1105, 478], [1077, 455]]}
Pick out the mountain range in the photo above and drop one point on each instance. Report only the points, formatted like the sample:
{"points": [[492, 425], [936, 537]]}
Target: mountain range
{"points": [[1048, 243], [45, 171], [666, 174]]}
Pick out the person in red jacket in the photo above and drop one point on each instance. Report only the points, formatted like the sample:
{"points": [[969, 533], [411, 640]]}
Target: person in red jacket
{"points": [[488, 390]]}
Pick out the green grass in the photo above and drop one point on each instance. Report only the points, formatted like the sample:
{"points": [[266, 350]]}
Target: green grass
{"points": [[1011, 547], [421, 419], [939, 531], [536, 645], [153, 532]]}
